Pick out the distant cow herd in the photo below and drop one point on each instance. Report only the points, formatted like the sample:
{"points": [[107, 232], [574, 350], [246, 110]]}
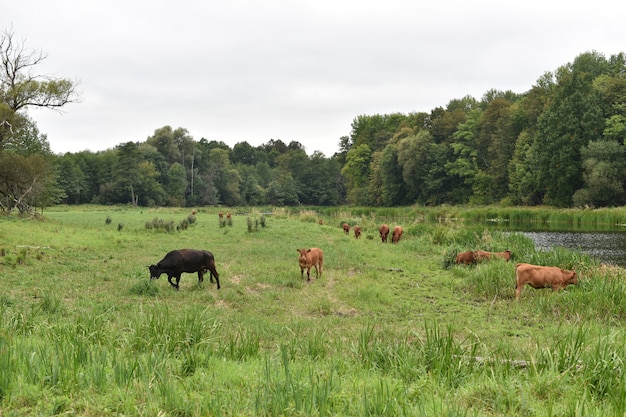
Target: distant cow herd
{"points": [[175, 262]]}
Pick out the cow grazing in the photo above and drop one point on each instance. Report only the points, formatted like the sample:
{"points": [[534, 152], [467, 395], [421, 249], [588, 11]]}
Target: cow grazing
{"points": [[357, 232], [482, 255], [466, 258], [321, 222], [346, 228], [185, 260], [308, 258], [220, 215], [542, 277], [396, 235], [384, 232]]}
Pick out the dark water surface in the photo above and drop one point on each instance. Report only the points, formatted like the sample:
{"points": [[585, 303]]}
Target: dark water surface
{"points": [[608, 247]]}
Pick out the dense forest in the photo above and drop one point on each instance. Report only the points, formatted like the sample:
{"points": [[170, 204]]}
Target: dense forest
{"points": [[561, 143]]}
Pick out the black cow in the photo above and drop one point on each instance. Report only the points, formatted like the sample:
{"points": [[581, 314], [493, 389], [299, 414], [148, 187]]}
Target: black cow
{"points": [[185, 260]]}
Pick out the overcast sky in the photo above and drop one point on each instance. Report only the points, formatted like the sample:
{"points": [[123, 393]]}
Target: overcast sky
{"points": [[245, 70]]}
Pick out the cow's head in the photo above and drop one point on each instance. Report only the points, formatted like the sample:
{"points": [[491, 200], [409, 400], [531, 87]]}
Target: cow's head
{"points": [[302, 256], [570, 277], [154, 271]]}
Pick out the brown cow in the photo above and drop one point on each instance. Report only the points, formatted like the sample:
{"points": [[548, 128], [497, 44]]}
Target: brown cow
{"points": [[308, 258], [346, 228], [482, 255], [542, 277], [357, 232], [321, 222], [384, 232], [466, 258], [396, 235]]}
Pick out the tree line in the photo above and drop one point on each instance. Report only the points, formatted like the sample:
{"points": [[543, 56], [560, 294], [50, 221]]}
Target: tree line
{"points": [[171, 169], [561, 143]]}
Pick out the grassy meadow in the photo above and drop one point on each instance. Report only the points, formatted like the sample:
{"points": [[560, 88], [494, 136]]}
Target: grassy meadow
{"points": [[387, 330]]}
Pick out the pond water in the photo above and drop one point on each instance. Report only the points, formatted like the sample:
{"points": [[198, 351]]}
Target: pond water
{"points": [[606, 243], [608, 247]]}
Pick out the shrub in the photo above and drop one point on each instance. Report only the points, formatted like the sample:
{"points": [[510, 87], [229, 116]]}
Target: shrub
{"points": [[160, 224], [145, 288]]}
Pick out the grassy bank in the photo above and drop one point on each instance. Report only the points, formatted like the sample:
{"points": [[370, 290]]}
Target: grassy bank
{"points": [[387, 329]]}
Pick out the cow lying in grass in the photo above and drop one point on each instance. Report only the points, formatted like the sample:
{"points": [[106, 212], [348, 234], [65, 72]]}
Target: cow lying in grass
{"points": [[466, 258], [542, 277], [481, 255], [185, 260], [309, 258]]}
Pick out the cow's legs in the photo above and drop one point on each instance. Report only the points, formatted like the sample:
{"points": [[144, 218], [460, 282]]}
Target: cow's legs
{"points": [[210, 274], [201, 275], [213, 272], [169, 278], [518, 291]]}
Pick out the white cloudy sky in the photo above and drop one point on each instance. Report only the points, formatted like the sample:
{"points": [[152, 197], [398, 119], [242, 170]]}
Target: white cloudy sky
{"points": [[246, 70]]}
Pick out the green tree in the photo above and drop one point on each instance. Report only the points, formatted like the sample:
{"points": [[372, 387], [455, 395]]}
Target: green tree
{"points": [[149, 192], [497, 134], [165, 140], [357, 171], [615, 128], [251, 191], [423, 168], [272, 149], [127, 171], [72, 179], [604, 164], [465, 146], [176, 185], [225, 177], [320, 179], [244, 153], [523, 173], [442, 123], [20, 140], [20, 88], [573, 118], [283, 190], [392, 189], [26, 182]]}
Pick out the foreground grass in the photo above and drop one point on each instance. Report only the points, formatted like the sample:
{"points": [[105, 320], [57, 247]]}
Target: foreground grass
{"points": [[386, 330]]}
